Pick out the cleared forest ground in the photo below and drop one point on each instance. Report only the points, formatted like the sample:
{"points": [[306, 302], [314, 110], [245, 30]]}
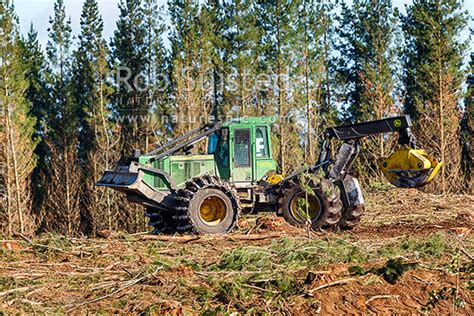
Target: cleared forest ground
{"points": [[413, 253]]}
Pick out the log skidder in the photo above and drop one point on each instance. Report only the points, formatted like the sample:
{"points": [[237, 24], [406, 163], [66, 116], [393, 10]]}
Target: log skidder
{"points": [[206, 193]]}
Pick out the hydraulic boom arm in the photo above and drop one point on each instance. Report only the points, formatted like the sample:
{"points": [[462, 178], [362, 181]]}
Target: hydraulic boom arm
{"points": [[400, 124], [407, 167]]}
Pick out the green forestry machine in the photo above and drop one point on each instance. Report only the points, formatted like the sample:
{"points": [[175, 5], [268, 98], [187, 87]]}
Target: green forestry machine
{"points": [[207, 193]]}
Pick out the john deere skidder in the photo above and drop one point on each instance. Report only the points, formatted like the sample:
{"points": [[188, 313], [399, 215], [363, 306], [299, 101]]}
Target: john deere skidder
{"points": [[207, 193]]}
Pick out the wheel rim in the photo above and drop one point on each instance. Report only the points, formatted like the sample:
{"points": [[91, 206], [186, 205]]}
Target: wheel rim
{"points": [[305, 207], [212, 210]]}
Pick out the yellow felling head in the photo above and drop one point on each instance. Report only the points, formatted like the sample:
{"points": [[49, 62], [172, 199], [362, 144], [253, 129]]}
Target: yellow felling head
{"points": [[409, 168]]}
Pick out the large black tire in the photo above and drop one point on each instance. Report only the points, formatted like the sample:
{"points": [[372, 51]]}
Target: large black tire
{"points": [[195, 206], [161, 221], [326, 198], [351, 217], [352, 214]]}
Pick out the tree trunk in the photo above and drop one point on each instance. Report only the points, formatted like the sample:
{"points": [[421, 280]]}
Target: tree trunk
{"points": [[15, 171], [442, 136], [281, 108], [308, 151]]}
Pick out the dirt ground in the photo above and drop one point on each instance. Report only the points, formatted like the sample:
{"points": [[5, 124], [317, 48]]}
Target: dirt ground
{"points": [[412, 253]]}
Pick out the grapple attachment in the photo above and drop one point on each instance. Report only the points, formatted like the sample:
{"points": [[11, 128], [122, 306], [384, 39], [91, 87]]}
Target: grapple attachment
{"points": [[409, 168]]}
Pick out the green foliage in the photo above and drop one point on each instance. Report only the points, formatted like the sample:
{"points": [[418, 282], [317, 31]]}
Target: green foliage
{"points": [[394, 269], [308, 182], [192, 54], [128, 55], [63, 123], [366, 71], [444, 293], [391, 271], [92, 93], [17, 128], [38, 93], [219, 310], [467, 129], [279, 29], [433, 77], [434, 246], [357, 270], [366, 67], [203, 293], [156, 65], [284, 254], [379, 186], [155, 247], [427, 55], [241, 38], [89, 56]]}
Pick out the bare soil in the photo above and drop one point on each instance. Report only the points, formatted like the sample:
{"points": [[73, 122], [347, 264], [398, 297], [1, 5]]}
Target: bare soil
{"points": [[267, 266]]}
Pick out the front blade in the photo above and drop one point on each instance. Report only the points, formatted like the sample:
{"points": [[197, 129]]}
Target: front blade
{"points": [[129, 179], [116, 180]]}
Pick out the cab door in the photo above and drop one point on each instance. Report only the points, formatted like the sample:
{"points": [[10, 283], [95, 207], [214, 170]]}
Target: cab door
{"points": [[263, 152], [242, 155]]}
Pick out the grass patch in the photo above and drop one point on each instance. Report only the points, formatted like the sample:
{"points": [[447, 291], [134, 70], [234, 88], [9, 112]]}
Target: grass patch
{"points": [[154, 248]]}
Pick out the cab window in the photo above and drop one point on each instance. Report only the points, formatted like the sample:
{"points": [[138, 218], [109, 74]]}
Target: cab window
{"points": [[222, 148], [261, 142], [242, 147], [212, 142]]}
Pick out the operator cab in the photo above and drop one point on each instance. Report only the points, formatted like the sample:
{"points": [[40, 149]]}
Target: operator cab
{"points": [[242, 149]]}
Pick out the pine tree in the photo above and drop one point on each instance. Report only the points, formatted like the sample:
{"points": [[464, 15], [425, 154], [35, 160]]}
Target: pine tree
{"points": [[467, 131], [131, 102], [97, 146], [241, 53], [277, 18], [16, 130], [312, 92], [63, 176], [128, 57], [378, 76], [191, 71], [212, 20], [327, 18], [84, 81], [433, 79], [38, 94], [367, 72], [350, 63], [157, 79], [368, 57]]}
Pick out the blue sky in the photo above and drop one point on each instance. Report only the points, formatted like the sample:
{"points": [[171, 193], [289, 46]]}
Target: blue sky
{"points": [[39, 11]]}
